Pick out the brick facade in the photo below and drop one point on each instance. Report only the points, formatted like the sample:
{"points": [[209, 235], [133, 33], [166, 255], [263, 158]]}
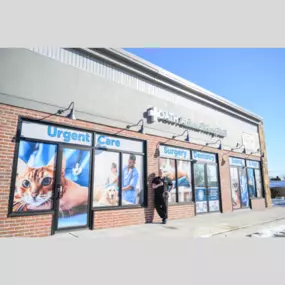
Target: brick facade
{"points": [[257, 204], [266, 181], [40, 225]]}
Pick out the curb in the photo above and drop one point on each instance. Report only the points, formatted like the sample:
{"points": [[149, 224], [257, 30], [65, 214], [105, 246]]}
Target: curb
{"points": [[242, 227]]}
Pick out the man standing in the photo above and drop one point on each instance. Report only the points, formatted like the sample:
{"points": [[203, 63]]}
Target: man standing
{"points": [[130, 180], [162, 185]]}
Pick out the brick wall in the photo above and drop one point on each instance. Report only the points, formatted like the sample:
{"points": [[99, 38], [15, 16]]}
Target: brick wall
{"points": [[225, 183], [178, 212], [266, 182], [257, 204], [40, 225]]}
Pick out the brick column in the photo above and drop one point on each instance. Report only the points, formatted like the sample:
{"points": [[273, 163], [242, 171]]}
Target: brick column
{"points": [[225, 183], [264, 165]]}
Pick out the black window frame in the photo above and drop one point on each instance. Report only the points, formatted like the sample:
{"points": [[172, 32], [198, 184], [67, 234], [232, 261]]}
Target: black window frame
{"points": [[261, 178], [238, 167], [92, 148], [121, 152], [18, 139], [205, 164]]}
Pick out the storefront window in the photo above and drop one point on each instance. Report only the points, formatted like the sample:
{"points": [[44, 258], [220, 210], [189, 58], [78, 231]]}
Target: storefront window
{"points": [[132, 179], [106, 179], [258, 181], [35, 177], [74, 194], [206, 183], [239, 183], [251, 183], [184, 181], [175, 164], [200, 188], [244, 188], [235, 188], [118, 173], [254, 178], [199, 175], [53, 176], [168, 169]]}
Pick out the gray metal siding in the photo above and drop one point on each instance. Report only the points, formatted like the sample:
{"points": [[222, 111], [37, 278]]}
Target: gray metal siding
{"points": [[30, 80], [98, 67]]}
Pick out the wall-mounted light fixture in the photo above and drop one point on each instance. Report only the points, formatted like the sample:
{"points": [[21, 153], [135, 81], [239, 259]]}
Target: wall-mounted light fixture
{"points": [[256, 152], [141, 130], [239, 147], [218, 141], [187, 139], [70, 115]]}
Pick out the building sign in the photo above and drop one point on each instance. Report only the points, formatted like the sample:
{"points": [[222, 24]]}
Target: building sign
{"points": [[108, 142], [54, 133], [249, 142], [203, 156], [156, 115], [237, 161], [173, 152], [253, 164]]}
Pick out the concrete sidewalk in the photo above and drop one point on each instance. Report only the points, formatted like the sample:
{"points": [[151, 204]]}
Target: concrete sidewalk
{"points": [[206, 225]]}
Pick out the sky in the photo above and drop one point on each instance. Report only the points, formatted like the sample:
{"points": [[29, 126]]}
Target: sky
{"points": [[252, 78]]}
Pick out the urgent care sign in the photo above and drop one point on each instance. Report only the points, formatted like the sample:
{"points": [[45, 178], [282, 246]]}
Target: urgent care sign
{"points": [[55, 134]]}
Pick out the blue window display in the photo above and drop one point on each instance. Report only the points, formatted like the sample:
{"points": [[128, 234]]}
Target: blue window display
{"points": [[107, 176], [251, 182], [35, 177], [214, 202], [180, 169], [201, 200], [243, 188], [206, 186], [75, 180], [35, 182], [130, 179]]}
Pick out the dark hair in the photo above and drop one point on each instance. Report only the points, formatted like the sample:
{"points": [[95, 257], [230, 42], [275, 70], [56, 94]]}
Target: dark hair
{"points": [[114, 165], [156, 180]]}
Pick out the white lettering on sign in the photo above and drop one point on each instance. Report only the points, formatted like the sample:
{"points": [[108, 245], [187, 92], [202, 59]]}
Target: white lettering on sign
{"points": [[237, 161], [253, 164], [203, 156], [173, 152], [156, 115], [54, 133], [108, 142]]}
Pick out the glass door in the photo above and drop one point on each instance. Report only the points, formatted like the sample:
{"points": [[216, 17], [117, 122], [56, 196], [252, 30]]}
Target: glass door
{"points": [[235, 187], [251, 182], [243, 187], [239, 187], [213, 188], [200, 188], [258, 182], [73, 188]]}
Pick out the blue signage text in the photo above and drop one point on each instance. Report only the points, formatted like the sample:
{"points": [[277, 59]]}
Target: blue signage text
{"points": [[175, 152], [105, 141], [204, 156], [68, 135]]}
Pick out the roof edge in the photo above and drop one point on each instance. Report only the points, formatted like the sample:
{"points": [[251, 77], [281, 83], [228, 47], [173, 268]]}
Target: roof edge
{"points": [[157, 72]]}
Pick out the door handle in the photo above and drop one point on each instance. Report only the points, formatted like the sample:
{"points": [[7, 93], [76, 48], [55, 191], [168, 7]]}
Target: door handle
{"points": [[58, 187]]}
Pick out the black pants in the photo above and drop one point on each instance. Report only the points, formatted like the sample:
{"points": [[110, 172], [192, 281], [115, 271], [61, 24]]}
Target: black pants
{"points": [[160, 203]]}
